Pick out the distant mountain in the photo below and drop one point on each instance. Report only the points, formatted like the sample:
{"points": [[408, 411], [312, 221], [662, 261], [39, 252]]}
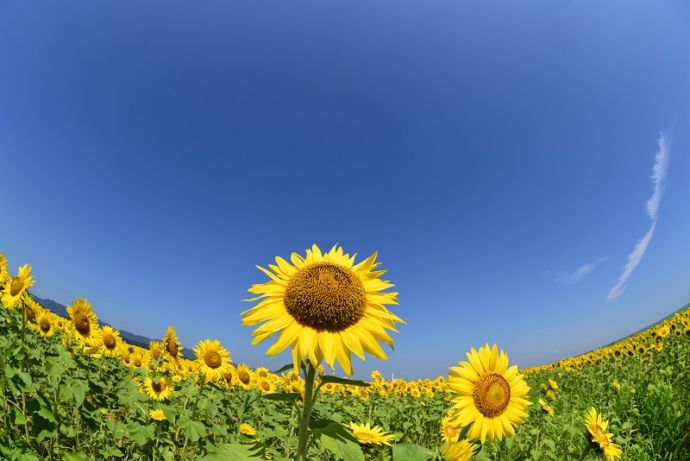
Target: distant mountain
{"points": [[131, 338]]}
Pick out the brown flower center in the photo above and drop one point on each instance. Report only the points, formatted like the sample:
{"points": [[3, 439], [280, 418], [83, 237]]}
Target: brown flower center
{"points": [[212, 359], [82, 324], [158, 387], [325, 296], [172, 347], [244, 376], [109, 341], [44, 325], [16, 286], [265, 386], [491, 394]]}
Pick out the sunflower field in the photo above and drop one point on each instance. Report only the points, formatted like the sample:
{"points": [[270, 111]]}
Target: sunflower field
{"points": [[73, 389]]}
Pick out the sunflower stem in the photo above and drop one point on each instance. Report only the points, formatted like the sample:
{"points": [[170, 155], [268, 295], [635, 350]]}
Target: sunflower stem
{"points": [[309, 395], [585, 451]]}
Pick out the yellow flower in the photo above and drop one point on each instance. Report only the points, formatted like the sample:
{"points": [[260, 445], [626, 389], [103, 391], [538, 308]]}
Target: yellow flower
{"points": [[265, 385], [172, 343], [616, 385], [458, 451], [553, 384], [367, 435], [14, 288], [551, 396], [489, 395], [4, 271], [212, 358], [45, 325], [157, 415], [596, 425], [159, 389], [247, 429], [449, 432], [244, 376], [546, 407], [155, 349], [323, 306], [84, 321], [111, 340]]}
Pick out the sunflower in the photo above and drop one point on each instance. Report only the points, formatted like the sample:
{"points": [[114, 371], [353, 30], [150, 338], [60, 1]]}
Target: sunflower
{"points": [[4, 271], [545, 406], [247, 429], [245, 376], [324, 306], [553, 384], [458, 451], [14, 288], [159, 389], [45, 325], [449, 432], [489, 395], [172, 343], [156, 349], [84, 321], [367, 435], [157, 415], [110, 338], [265, 385], [213, 359], [596, 425]]}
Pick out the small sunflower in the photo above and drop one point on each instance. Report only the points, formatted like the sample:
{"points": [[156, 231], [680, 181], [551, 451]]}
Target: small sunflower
{"points": [[596, 425], [545, 406], [367, 435], [213, 359], [45, 325], [159, 389], [245, 376], [247, 429], [4, 270], [323, 306], [449, 432], [489, 395], [265, 385], [458, 451], [156, 349], [14, 288], [84, 321], [111, 340], [553, 384], [157, 415], [172, 344]]}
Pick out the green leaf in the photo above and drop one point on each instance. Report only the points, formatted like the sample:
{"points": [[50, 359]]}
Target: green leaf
{"points": [[283, 396], [234, 452], [140, 434], [331, 429], [348, 382], [410, 453], [284, 368], [193, 430], [342, 449]]}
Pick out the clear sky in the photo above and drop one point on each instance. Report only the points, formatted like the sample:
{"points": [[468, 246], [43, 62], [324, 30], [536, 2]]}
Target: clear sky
{"points": [[500, 156]]}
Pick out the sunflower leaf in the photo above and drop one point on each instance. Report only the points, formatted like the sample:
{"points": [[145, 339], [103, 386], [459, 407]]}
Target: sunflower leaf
{"points": [[347, 382], [284, 368], [283, 396]]}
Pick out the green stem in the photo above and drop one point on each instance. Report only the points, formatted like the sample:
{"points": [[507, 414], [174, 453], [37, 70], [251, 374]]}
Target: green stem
{"points": [[585, 451], [310, 373]]}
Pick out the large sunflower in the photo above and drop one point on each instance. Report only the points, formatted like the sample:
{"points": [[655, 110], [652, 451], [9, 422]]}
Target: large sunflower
{"points": [[597, 425], [213, 359], [324, 306], [15, 287], [488, 394], [84, 321]]}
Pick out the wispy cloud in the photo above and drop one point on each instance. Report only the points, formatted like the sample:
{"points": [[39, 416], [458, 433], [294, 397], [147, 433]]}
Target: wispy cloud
{"points": [[661, 161], [579, 273]]}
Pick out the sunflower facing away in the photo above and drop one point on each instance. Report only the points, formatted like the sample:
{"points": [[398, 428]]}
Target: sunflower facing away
{"points": [[213, 359], [596, 425], [324, 306], [367, 435], [489, 395], [14, 288], [84, 321]]}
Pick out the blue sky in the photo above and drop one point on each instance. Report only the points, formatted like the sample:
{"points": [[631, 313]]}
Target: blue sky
{"points": [[499, 156]]}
